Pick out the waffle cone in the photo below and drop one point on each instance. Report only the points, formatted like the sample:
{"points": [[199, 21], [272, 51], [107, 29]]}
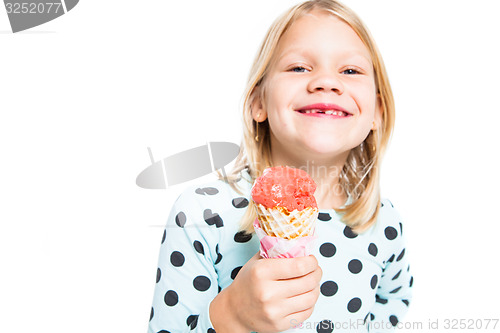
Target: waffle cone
{"points": [[279, 222]]}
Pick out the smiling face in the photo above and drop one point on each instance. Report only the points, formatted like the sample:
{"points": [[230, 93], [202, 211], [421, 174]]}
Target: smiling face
{"points": [[320, 94]]}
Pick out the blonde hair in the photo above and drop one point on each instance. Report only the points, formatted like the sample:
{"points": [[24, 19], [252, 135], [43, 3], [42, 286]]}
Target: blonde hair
{"points": [[360, 174]]}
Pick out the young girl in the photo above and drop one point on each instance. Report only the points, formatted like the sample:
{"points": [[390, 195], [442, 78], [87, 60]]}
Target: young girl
{"points": [[318, 98]]}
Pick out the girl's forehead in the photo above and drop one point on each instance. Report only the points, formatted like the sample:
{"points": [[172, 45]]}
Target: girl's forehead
{"points": [[320, 29], [320, 25]]}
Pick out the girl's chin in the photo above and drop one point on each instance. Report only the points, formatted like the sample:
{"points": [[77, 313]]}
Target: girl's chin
{"points": [[320, 150], [310, 147], [321, 145]]}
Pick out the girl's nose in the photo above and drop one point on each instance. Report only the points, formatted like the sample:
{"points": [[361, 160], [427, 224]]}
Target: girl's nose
{"points": [[326, 82]]}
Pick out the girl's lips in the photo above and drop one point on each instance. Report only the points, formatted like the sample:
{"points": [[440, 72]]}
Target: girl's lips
{"points": [[323, 107], [324, 115], [324, 110]]}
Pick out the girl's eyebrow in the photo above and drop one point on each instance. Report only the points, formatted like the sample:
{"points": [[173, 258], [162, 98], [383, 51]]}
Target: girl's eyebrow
{"points": [[293, 51], [358, 55], [347, 54]]}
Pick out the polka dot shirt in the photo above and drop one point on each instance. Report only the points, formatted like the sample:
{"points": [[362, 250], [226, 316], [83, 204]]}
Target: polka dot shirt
{"points": [[366, 283]]}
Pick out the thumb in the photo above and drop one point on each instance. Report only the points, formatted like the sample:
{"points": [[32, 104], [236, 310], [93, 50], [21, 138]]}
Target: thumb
{"points": [[257, 256], [254, 259]]}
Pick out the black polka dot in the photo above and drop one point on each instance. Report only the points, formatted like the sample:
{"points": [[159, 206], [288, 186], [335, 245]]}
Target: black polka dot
{"points": [[158, 275], [325, 326], [242, 237], [401, 227], [407, 302], [394, 320], [164, 236], [391, 233], [395, 290], [324, 217], [180, 219], [327, 250], [354, 305], [411, 281], [397, 275], [355, 266], [372, 317], [177, 259], [391, 259], [152, 314], [240, 202], [171, 298], [349, 233], [201, 283], [380, 300], [373, 282], [219, 256], [212, 218], [198, 247], [207, 190], [372, 249], [381, 204], [401, 255], [329, 288], [211, 330], [163, 331], [192, 321], [235, 272], [219, 289]]}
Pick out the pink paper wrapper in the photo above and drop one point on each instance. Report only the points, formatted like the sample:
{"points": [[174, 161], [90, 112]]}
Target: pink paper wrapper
{"points": [[275, 247]]}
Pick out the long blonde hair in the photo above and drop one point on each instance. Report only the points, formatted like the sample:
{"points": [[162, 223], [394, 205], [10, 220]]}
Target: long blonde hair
{"points": [[360, 174]]}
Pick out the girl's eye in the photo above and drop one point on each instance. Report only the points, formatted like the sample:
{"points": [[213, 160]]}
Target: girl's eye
{"points": [[298, 69], [351, 71]]}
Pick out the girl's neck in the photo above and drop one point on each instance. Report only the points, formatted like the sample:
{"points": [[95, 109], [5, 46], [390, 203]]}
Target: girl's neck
{"points": [[325, 173]]}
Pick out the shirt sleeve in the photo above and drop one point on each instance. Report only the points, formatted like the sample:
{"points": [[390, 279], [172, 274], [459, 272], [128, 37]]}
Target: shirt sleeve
{"points": [[186, 280], [394, 291]]}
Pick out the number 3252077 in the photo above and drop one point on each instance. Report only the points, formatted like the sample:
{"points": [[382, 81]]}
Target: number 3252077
{"points": [[33, 8], [472, 324]]}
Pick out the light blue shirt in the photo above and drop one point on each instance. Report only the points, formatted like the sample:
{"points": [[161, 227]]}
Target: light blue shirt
{"points": [[366, 283]]}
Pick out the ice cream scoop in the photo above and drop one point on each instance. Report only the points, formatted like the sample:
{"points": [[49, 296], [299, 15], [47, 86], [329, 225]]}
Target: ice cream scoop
{"points": [[284, 187], [285, 203]]}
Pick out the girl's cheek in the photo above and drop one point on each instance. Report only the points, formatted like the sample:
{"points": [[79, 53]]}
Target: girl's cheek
{"points": [[363, 90]]}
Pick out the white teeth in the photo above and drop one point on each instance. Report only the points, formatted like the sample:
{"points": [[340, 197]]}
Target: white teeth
{"points": [[331, 112]]}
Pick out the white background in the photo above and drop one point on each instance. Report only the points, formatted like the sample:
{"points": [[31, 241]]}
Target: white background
{"points": [[83, 96]]}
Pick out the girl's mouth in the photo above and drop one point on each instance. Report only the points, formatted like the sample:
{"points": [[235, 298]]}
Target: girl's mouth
{"points": [[325, 112]]}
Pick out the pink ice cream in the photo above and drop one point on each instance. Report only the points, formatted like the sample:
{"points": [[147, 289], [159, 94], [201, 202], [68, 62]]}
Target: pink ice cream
{"points": [[284, 187]]}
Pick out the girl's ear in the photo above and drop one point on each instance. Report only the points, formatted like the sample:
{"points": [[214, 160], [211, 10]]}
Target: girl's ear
{"points": [[259, 113], [377, 119]]}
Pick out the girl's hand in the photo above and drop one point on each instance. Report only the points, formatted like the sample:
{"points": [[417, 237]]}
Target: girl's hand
{"points": [[269, 295]]}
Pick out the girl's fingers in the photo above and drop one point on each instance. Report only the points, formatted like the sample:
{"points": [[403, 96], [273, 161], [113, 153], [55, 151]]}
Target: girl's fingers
{"points": [[289, 268], [294, 319], [301, 302], [296, 286]]}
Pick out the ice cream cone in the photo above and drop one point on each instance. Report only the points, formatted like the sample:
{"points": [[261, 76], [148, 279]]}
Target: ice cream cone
{"points": [[282, 223], [286, 212]]}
